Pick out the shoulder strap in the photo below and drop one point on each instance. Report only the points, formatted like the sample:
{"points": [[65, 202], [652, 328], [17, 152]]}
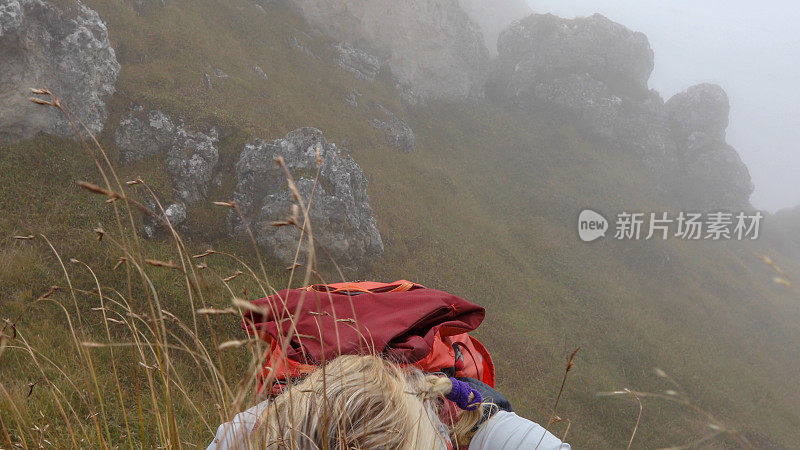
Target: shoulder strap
{"points": [[354, 288]]}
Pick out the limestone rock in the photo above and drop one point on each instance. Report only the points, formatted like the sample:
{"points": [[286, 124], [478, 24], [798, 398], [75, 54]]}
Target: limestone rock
{"points": [[142, 134], [715, 175], [260, 72], [542, 48], [398, 134], [597, 71], [191, 161], [594, 69], [352, 97], [62, 46], [191, 155], [174, 214], [357, 62], [341, 216]]}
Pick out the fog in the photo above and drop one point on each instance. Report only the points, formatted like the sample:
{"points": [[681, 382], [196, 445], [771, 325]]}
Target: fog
{"points": [[494, 18], [751, 49]]}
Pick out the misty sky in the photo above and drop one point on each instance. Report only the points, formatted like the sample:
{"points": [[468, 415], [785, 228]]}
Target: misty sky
{"points": [[750, 48]]}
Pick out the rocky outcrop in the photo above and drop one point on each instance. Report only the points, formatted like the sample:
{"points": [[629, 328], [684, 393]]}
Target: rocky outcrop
{"points": [[191, 155], [141, 134], [217, 77], [260, 72], [62, 46], [590, 65], [642, 130], [340, 213], [543, 48], [191, 161], [174, 215], [352, 97], [715, 176], [431, 46], [357, 62], [398, 134], [594, 69], [597, 71]]}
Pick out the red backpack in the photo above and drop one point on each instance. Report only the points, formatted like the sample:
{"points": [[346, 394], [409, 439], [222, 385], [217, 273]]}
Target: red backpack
{"points": [[402, 321]]}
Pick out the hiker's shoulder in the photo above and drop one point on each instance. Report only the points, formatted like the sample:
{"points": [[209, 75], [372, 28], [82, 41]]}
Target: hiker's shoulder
{"points": [[505, 431]]}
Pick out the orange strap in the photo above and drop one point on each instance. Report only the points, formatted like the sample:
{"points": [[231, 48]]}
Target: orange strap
{"points": [[363, 286]]}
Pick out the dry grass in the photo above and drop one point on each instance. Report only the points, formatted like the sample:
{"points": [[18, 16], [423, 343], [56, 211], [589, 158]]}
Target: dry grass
{"points": [[676, 394], [131, 333]]}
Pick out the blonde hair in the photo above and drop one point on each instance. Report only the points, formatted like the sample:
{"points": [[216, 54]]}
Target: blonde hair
{"points": [[361, 402]]}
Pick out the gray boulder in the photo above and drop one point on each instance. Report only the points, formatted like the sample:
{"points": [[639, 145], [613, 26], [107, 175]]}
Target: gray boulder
{"points": [[716, 178], [191, 155], [341, 216], [259, 71], [191, 161], [642, 130], [597, 71], [10, 16], [356, 61], [714, 174], [142, 134], [352, 97], [398, 134], [174, 214], [62, 46]]}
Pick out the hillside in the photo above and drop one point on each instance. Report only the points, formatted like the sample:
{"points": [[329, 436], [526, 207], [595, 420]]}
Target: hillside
{"points": [[484, 207]]}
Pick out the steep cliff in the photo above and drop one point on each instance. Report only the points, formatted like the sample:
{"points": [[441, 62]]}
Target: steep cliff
{"points": [[431, 46]]}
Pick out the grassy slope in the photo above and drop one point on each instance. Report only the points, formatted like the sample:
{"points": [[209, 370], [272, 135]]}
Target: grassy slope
{"points": [[484, 208]]}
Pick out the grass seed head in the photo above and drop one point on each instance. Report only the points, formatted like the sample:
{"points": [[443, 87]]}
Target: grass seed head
{"points": [[167, 264]]}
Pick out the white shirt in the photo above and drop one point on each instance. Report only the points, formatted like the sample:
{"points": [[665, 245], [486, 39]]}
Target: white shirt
{"points": [[508, 431], [233, 434], [504, 431]]}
